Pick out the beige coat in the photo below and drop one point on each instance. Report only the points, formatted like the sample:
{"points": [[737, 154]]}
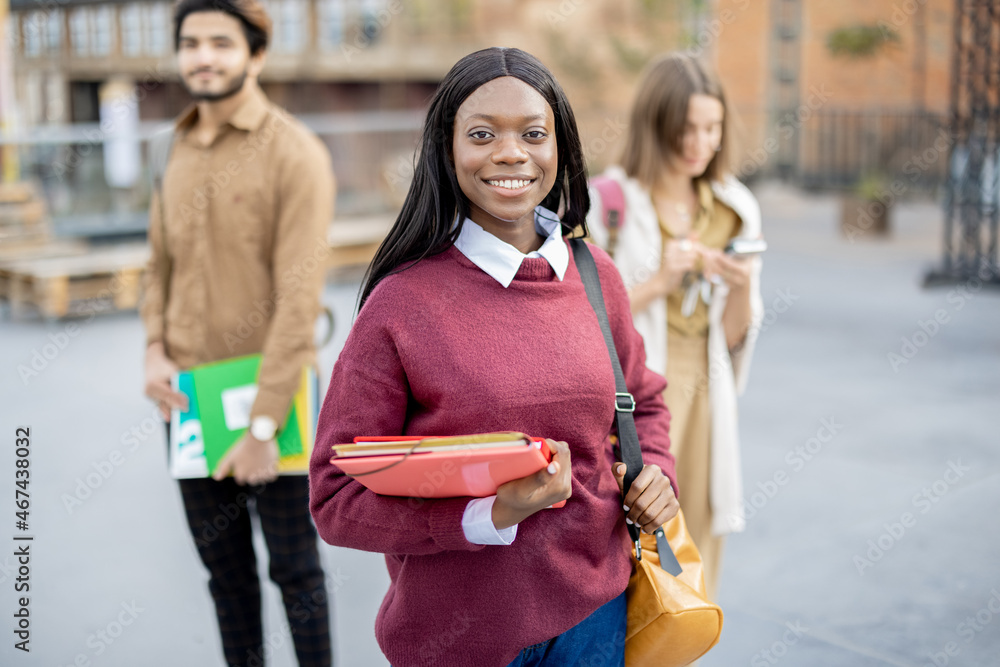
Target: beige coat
{"points": [[637, 254]]}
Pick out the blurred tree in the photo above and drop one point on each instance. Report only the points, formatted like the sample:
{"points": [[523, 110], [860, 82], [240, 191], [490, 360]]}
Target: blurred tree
{"points": [[860, 41]]}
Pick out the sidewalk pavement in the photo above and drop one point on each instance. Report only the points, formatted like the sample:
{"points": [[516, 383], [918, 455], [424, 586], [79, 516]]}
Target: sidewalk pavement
{"points": [[870, 478], [870, 454]]}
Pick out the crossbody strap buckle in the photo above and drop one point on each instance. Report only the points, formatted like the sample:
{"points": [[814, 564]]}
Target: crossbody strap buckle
{"points": [[624, 402]]}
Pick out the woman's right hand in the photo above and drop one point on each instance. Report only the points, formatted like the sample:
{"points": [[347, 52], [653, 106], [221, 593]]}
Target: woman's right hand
{"points": [[520, 498], [679, 257]]}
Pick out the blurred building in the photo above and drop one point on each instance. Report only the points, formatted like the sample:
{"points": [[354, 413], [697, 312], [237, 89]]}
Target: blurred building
{"points": [[824, 90], [330, 55], [108, 66], [848, 94], [830, 90]]}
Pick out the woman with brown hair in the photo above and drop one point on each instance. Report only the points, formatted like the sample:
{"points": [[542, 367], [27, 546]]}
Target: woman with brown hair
{"points": [[665, 215]]}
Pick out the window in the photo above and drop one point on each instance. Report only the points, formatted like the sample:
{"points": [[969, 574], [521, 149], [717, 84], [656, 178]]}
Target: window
{"points": [[32, 36], [54, 30], [102, 23], [79, 28], [331, 24], [293, 20], [37, 28], [130, 20], [372, 19], [157, 28], [289, 18], [12, 32], [358, 22]]}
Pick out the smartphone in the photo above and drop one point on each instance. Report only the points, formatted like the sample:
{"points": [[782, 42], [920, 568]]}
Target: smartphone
{"points": [[746, 247]]}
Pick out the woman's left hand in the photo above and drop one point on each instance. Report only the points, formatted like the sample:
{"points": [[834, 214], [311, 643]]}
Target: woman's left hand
{"points": [[651, 501]]}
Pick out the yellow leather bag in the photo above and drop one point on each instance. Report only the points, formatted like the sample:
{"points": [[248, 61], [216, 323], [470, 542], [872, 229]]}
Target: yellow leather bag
{"points": [[670, 621]]}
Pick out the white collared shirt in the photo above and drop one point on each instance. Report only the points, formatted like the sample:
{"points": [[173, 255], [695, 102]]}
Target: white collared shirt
{"points": [[500, 260]]}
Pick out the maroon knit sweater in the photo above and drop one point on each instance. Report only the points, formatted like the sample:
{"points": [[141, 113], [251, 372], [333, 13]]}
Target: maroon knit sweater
{"points": [[443, 348]]}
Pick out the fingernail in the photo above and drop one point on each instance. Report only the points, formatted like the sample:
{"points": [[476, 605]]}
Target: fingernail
{"points": [[621, 469], [626, 508], [552, 468], [628, 521]]}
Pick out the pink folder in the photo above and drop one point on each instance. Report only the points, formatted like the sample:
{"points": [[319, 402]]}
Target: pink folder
{"points": [[452, 473]]}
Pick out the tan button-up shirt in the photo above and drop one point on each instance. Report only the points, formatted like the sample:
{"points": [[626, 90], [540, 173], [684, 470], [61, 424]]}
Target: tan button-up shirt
{"points": [[239, 250]]}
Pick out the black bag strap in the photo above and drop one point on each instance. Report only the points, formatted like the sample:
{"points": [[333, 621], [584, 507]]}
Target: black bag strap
{"points": [[628, 437]]}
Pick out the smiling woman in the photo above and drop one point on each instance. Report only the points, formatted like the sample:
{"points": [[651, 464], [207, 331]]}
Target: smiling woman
{"points": [[474, 319], [473, 122], [506, 163]]}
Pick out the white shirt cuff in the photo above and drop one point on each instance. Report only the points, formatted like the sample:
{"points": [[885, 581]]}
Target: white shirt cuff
{"points": [[477, 523]]}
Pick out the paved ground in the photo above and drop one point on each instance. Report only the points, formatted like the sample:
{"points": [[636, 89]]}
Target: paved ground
{"points": [[873, 486]]}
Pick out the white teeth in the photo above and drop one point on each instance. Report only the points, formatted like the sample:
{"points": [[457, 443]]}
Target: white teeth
{"points": [[509, 184]]}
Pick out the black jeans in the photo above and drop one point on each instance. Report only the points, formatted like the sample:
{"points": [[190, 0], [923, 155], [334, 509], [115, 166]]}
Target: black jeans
{"points": [[218, 515]]}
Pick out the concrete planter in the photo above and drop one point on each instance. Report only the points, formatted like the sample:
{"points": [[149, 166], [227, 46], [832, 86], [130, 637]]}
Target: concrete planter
{"points": [[861, 217]]}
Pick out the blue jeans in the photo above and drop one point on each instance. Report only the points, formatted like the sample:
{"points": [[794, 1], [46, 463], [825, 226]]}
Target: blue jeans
{"points": [[596, 641]]}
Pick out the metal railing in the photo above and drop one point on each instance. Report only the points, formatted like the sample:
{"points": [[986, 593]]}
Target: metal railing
{"points": [[843, 149], [372, 155]]}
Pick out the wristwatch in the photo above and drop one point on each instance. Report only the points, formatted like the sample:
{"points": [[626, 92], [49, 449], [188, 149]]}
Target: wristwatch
{"points": [[263, 428]]}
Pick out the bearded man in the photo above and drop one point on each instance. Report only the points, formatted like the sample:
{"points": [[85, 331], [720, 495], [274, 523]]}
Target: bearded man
{"points": [[237, 223]]}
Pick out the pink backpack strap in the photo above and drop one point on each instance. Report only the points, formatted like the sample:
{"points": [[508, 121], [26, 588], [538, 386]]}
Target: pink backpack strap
{"points": [[612, 200], [612, 207]]}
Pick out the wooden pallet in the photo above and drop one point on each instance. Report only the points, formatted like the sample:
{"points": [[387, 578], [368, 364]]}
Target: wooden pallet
{"points": [[12, 252], [20, 252], [22, 210], [16, 193], [101, 278], [22, 214], [65, 278], [14, 238]]}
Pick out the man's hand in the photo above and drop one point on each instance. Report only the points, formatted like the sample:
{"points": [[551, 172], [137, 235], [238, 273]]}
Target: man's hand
{"points": [[159, 370], [251, 462], [520, 498], [651, 501]]}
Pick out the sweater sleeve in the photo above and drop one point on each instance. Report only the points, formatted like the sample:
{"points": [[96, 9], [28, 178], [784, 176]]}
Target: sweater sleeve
{"points": [[652, 419], [369, 395]]}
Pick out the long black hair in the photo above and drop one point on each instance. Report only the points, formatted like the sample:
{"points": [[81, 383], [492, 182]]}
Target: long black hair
{"points": [[424, 225]]}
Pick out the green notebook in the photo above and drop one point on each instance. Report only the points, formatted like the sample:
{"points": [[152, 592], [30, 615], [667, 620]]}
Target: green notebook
{"points": [[225, 392]]}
